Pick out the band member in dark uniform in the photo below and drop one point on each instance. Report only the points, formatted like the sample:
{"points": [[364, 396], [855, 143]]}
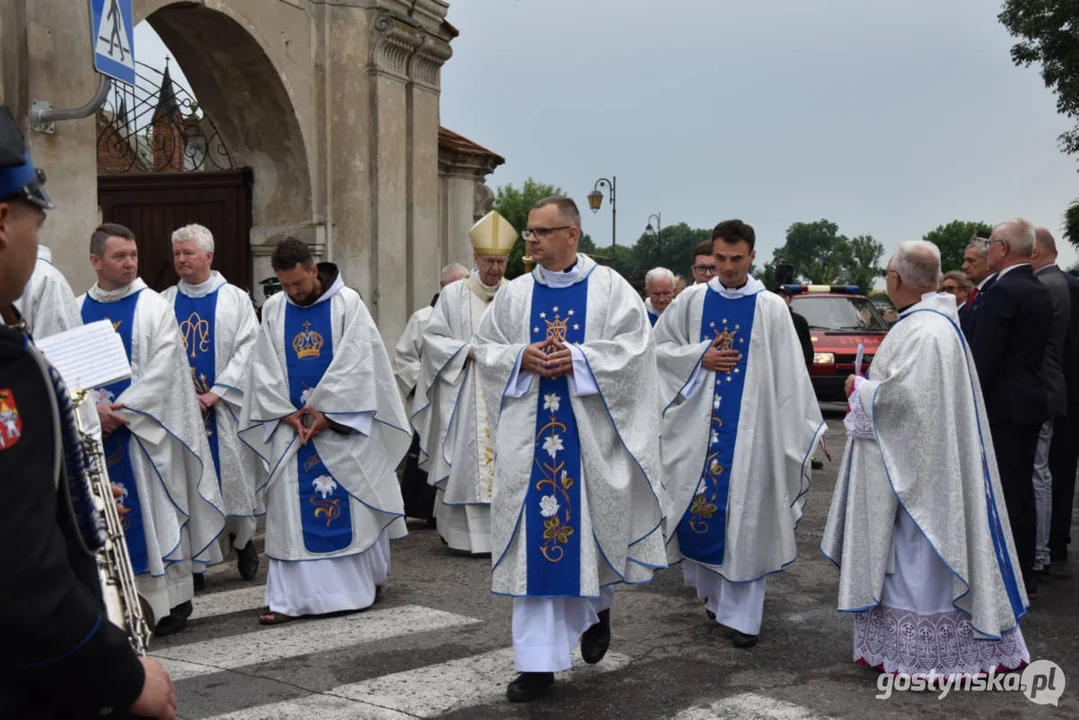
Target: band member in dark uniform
{"points": [[60, 656]]}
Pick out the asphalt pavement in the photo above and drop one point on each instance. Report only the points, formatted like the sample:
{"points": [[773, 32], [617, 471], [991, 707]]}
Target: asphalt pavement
{"points": [[438, 645]]}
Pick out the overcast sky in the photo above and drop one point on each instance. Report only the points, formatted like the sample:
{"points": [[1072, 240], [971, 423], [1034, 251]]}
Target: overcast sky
{"points": [[887, 118]]}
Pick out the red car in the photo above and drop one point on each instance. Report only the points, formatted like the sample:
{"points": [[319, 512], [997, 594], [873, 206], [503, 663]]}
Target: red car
{"points": [[839, 320]]}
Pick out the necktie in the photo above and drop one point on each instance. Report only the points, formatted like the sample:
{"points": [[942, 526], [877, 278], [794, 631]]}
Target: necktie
{"points": [[970, 300]]}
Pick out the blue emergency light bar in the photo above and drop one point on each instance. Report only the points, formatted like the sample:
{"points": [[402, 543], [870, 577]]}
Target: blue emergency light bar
{"points": [[837, 289]]}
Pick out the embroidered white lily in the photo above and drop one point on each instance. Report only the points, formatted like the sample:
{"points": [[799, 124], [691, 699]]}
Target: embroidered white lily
{"points": [[551, 402], [549, 506], [306, 395], [715, 438], [324, 485], [552, 444], [716, 401]]}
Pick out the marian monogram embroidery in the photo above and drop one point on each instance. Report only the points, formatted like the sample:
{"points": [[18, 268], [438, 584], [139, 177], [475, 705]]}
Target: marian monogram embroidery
{"points": [[196, 334], [308, 343]]}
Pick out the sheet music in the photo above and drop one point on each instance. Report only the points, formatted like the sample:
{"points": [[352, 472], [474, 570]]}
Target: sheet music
{"points": [[87, 357]]}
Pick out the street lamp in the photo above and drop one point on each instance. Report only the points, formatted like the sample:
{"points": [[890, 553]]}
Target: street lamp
{"points": [[595, 200], [658, 232]]}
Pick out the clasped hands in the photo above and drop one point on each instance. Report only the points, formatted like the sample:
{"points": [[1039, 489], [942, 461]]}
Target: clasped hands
{"points": [[720, 360], [319, 423], [547, 358]]}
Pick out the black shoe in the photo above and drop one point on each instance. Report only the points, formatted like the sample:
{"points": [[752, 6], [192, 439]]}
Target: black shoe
{"points": [[597, 639], [817, 464], [741, 640], [175, 621], [432, 523], [1058, 555], [528, 685], [247, 561], [1032, 588], [199, 580], [182, 611]]}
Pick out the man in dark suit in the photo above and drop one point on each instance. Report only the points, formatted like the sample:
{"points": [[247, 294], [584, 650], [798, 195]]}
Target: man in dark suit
{"points": [[801, 326], [1064, 449], [60, 656], [1008, 343], [1046, 270], [976, 268]]}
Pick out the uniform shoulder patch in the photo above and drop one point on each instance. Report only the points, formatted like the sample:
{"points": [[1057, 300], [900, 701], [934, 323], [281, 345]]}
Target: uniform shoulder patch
{"points": [[10, 420]]}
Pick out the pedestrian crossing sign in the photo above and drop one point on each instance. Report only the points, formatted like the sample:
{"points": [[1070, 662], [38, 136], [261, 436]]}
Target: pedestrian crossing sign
{"points": [[113, 36]]}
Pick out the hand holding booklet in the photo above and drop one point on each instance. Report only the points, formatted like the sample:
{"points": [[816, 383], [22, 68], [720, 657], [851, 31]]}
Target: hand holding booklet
{"points": [[87, 357]]}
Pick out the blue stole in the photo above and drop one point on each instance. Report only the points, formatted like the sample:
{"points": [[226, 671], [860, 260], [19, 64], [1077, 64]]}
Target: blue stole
{"points": [[196, 317], [118, 445], [325, 515], [552, 504], [653, 318], [702, 532]]}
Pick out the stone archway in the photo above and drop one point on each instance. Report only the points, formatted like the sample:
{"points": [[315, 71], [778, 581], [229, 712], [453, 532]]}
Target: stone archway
{"points": [[239, 86]]}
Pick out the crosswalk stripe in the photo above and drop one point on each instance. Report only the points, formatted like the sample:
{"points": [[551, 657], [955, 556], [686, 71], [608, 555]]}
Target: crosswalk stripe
{"points": [[424, 692], [301, 637], [229, 601], [750, 705]]}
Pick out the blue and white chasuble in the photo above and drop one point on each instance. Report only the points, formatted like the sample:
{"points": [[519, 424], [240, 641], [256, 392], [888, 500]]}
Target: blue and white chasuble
{"points": [[196, 317], [118, 444], [702, 530], [552, 505], [324, 503]]}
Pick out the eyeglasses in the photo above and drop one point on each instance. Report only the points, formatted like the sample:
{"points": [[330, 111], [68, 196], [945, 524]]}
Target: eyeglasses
{"points": [[542, 233], [950, 288], [662, 295], [705, 269]]}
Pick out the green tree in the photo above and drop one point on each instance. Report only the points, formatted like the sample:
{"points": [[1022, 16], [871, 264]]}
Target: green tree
{"points": [[1046, 30], [863, 263], [820, 255], [672, 248], [1071, 223], [952, 239], [514, 204]]}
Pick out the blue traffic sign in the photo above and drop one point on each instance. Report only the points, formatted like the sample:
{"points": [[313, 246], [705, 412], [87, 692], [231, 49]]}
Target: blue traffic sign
{"points": [[113, 28]]}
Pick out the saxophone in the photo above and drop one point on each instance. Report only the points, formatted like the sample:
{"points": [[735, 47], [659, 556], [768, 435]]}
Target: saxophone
{"points": [[123, 605]]}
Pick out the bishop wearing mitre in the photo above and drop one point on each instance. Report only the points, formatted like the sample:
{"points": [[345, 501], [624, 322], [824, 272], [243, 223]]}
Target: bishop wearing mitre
{"points": [[450, 412]]}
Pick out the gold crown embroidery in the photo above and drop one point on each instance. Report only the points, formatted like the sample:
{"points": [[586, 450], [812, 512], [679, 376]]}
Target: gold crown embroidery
{"points": [[307, 343]]}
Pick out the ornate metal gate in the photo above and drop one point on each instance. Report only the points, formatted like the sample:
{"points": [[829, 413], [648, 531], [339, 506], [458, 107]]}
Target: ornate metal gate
{"points": [[162, 164]]}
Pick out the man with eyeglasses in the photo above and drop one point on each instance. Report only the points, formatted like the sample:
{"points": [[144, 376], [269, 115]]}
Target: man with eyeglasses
{"points": [[1008, 342], [704, 263], [659, 291], [567, 364], [740, 421], [449, 411], [956, 284]]}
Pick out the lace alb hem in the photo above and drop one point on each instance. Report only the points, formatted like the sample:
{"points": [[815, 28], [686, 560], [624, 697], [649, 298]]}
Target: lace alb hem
{"points": [[942, 643]]}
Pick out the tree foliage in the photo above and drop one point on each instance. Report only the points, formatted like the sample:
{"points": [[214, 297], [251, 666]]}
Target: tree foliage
{"points": [[952, 239], [1046, 30], [820, 255]]}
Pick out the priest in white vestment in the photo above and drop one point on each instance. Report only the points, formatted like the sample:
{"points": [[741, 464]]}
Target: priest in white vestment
{"points": [[218, 326], [659, 285], [918, 524], [47, 304], [321, 403], [739, 422], [419, 497], [154, 437], [449, 411], [564, 356]]}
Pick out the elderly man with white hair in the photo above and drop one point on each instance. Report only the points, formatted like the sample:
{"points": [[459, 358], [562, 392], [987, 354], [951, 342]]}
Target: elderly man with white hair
{"points": [[1009, 342], [922, 538], [218, 325], [419, 497], [658, 292]]}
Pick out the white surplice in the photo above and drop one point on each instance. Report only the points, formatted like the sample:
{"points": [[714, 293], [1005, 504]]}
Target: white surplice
{"points": [[918, 524], [779, 421], [235, 330], [450, 415], [357, 391], [406, 354], [47, 304], [182, 510], [620, 521]]}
